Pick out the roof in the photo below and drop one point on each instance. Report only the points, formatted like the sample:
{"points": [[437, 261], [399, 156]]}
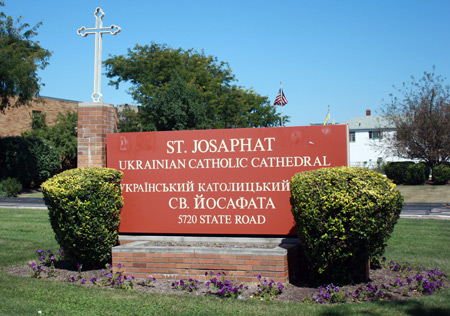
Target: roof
{"points": [[59, 99], [368, 123]]}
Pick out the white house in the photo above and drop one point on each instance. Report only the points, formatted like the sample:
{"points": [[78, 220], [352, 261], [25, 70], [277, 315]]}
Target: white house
{"points": [[367, 143]]}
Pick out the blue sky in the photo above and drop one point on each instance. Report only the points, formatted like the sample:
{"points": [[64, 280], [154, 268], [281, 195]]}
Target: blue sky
{"points": [[346, 54]]}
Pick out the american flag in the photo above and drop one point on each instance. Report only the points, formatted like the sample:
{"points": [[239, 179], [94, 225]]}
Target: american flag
{"points": [[280, 99]]}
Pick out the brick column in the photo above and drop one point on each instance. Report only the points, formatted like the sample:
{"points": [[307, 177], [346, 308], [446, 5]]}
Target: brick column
{"points": [[95, 120]]}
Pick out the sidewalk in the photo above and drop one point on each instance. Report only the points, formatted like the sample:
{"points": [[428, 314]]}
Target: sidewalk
{"points": [[410, 210], [426, 210], [17, 202]]}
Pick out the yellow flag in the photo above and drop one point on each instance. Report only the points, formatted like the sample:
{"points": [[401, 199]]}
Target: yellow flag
{"points": [[328, 117]]}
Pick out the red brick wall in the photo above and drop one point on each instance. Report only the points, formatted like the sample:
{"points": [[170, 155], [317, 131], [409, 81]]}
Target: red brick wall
{"points": [[15, 121], [241, 268], [95, 120]]}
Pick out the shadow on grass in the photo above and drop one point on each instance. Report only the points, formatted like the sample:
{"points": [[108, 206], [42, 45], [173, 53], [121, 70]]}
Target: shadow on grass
{"points": [[419, 308], [407, 307]]}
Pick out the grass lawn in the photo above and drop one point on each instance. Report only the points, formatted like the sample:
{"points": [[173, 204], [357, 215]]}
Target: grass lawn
{"points": [[418, 241]]}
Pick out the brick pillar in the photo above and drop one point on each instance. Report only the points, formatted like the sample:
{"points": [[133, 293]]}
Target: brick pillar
{"points": [[95, 120]]}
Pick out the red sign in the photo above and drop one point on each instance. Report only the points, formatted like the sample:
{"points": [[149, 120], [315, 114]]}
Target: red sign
{"points": [[228, 182]]}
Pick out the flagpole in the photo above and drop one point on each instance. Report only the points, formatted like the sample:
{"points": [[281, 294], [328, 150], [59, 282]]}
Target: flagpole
{"points": [[327, 118], [279, 100], [281, 90]]}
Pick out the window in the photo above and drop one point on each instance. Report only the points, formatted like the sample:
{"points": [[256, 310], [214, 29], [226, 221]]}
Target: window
{"points": [[375, 135], [351, 137]]}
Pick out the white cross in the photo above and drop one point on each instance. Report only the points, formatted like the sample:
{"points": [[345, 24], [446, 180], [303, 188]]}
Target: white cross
{"points": [[98, 30]]}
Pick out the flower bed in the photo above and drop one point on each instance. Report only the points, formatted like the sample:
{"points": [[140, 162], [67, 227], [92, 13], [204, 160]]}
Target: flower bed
{"points": [[394, 281]]}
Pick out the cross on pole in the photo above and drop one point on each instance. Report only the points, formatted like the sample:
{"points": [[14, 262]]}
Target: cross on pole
{"points": [[98, 30]]}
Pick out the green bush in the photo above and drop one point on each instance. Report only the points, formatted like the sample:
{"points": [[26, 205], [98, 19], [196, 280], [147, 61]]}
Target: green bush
{"points": [[427, 170], [10, 187], [84, 207], [47, 159], [16, 160], [29, 160], [344, 216], [441, 174], [62, 135], [396, 170], [416, 174]]}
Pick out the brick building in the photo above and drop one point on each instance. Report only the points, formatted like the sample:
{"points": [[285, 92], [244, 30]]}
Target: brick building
{"points": [[15, 121]]}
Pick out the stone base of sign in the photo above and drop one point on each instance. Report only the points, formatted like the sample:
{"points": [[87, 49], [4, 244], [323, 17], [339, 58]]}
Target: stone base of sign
{"points": [[180, 257]]}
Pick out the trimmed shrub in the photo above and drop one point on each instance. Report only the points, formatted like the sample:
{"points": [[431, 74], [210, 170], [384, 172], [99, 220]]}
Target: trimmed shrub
{"points": [[441, 174], [84, 207], [396, 170], [416, 174], [10, 187], [344, 216]]}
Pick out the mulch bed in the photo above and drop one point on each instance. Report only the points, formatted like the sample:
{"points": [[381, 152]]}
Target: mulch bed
{"points": [[291, 293]]}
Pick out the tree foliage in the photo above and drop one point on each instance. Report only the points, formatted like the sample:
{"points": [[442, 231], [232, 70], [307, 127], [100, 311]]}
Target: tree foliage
{"points": [[421, 116], [184, 89], [20, 58], [62, 135]]}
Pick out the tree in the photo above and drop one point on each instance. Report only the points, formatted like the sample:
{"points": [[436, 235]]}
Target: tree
{"points": [[62, 135], [129, 120], [421, 117], [20, 58], [180, 90]]}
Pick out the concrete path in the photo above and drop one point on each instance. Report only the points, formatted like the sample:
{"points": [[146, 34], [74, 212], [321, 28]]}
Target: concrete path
{"points": [[426, 210], [410, 210], [17, 202]]}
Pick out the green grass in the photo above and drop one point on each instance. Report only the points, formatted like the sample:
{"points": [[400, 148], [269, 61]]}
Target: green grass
{"points": [[33, 195], [421, 242], [22, 232]]}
